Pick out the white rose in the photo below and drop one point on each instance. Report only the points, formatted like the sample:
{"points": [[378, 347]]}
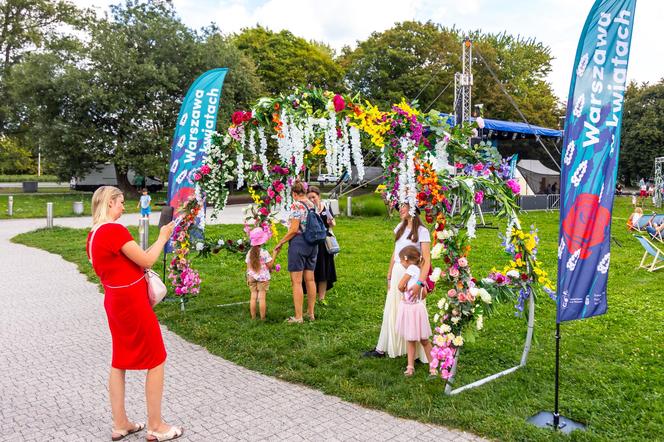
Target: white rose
{"points": [[458, 341], [435, 275], [486, 297], [445, 328], [221, 242], [239, 242], [455, 319], [436, 251], [488, 281], [480, 322], [474, 291], [436, 317], [513, 273], [200, 246], [441, 303]]}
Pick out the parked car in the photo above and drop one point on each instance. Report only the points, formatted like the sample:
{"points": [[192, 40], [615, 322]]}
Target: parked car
{"points": [[104, 175], [327, 178]]}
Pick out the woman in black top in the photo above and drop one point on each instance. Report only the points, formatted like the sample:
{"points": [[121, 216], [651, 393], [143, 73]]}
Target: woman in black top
{"points": [[325, 273]]}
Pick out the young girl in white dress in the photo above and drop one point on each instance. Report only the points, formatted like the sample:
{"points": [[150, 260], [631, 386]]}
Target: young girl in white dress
{"points": [[412, 316]]}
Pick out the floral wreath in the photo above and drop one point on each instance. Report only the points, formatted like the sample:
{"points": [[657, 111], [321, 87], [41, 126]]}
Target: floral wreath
{"points": [[428, 164]]}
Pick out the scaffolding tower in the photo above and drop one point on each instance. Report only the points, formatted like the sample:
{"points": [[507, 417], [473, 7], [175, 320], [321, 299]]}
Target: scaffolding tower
{"points": [[463, 84], [659, 181]]}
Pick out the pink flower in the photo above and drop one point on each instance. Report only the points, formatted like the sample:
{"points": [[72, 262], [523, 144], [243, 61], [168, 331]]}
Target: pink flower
{"points": [[339, 103], [517, 256], [205, 169], [470, 297], [277, 268], [445, 374], [463, 262], [454, 272], [479, 197], [277, 199], [513, 185], [477, 167], [197, 176], [270, 193], [263, 211], [433, 363], [451, 293], [462, 297]]}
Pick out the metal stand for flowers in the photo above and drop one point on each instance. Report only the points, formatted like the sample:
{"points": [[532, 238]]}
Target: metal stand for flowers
{"points": [[524, 357]]}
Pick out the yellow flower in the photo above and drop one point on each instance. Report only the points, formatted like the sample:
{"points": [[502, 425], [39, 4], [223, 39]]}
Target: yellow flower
{"points": [[406, 107]]}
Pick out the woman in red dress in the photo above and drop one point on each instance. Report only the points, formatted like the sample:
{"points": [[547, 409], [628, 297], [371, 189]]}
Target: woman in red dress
{"points": [[137, 343]]}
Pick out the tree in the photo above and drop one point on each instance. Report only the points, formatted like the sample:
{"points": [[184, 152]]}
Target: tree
{"points": [[284, 61], [421, 58], [117, 99], [14, 159], [25, 27], [642, 130]]}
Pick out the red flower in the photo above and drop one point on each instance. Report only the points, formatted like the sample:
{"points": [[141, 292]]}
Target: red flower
{"points": [[339, 103], [524, 277], [247, 116], [237, 118], [585, 224]]}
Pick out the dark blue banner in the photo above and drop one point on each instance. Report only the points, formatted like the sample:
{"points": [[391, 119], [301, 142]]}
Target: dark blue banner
{"points": [[591, 145], [197, 121]]}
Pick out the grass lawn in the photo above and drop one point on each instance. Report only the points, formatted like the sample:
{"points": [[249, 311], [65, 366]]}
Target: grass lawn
{"points": [[611, 371], [34, 205]]}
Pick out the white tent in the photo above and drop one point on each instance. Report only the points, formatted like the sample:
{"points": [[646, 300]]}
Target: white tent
{"points": [[538, 177]]}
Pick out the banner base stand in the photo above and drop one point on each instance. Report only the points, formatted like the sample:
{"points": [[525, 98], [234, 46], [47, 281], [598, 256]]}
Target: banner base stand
{"points": [[545, 419]]}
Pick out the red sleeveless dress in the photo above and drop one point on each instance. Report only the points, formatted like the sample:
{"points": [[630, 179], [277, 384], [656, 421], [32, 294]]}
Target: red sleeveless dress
{"points": [[137, 340]]}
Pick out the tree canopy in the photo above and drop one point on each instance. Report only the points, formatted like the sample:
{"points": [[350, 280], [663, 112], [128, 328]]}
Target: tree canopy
{"points": [[116, 99], [642, 130], [284, 61], [415, 58]]}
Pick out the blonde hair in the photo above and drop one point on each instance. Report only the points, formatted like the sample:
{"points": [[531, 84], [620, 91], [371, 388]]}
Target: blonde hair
{"points": [[100, 201]]}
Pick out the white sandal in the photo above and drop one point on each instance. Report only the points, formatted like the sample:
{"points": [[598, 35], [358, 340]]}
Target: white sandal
{"points": [[125, 433], [171, 434]]}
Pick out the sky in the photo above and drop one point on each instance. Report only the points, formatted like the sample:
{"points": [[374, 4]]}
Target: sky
{"points": [[555, 23]]}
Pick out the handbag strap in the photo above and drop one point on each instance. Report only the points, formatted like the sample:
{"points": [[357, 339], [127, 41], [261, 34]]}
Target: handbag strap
{"points": [[94, 232]]}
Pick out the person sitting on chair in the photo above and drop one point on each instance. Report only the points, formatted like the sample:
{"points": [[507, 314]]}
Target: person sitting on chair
{"points": [[655, 230]]}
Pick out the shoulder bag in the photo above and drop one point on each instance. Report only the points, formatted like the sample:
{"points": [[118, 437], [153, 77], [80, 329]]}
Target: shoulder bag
{"points": [[156, 288]]}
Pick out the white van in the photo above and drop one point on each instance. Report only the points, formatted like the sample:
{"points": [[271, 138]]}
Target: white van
{"points": [[104, 175]]}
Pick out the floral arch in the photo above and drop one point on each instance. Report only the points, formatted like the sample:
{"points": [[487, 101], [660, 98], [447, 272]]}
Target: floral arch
{"points": [[427, 164]]}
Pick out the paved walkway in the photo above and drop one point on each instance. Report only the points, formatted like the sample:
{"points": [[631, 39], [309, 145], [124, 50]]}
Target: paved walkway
{"points": [[54, 359]]}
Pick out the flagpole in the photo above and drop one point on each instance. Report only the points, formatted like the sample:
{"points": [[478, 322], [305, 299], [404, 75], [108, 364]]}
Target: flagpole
{"points": [[554, 421], [556, 411]]}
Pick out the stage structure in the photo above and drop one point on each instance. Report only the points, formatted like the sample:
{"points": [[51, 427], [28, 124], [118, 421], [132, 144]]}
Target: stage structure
{"points": [[659, 181], [463, 84]]}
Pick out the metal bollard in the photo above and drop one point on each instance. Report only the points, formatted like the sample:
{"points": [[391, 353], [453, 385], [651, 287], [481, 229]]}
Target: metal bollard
{"points": [[349, 203], [49, 215], [144, 232], [10, 205]]}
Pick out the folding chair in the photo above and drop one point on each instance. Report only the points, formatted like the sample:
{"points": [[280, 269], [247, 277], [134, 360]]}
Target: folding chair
{"points": [[650, 249]]}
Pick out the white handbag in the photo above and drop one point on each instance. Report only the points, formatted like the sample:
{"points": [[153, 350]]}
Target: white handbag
{"points": [[156, 288]]}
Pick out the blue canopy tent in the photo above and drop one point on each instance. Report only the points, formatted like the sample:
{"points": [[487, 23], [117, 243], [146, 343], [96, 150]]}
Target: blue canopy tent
{"points": [[512, 127]]}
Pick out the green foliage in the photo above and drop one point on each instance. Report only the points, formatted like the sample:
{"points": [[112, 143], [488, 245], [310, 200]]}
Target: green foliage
{"points": [[611, 365], [21, 178], [14, 158], [400, 61], [643, 130], [116, 98], [285, 61]]}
